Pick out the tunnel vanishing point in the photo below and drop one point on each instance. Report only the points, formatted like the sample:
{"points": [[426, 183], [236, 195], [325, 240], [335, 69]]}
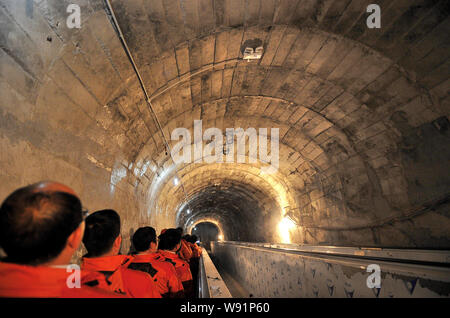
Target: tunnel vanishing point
{"points": [[362, 115]]}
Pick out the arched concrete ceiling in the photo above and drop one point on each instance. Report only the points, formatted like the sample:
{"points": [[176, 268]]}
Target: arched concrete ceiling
{"points": [[338, 92], [358, 111]]}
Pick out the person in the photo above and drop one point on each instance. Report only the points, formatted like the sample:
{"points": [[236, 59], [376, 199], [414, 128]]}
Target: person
{"points": [[185, 251], [163, 273], [41, 227], [196, 250], [169, 245], [102, 240], [195, 259]]}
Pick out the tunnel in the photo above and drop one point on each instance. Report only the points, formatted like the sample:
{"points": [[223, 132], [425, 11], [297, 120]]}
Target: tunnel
{"points": [[207, 232], [359, 115]]}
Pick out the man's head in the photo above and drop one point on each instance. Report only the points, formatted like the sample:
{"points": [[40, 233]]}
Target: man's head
{"points": [[41, 224], [102, 233], [192, 239], [144, 240], [170, 240]]}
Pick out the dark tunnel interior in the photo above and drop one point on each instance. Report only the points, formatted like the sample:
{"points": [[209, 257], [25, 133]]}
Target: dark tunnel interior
{"points": [[206, 233]]}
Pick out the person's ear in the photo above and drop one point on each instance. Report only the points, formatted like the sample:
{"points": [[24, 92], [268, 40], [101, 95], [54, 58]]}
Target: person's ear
{"points": [[116, 245], [74, 239], [118, 241]]}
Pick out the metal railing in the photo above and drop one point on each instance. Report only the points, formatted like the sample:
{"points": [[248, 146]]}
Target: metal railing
{"points": [[291, 270], [210, 283], [435, 257]]}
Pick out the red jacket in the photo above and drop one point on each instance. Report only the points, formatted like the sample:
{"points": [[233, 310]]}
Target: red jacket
{"points": [[196, 250], [185, 252], [120, 279], [43, 281], [182, 269], [163, 273]]}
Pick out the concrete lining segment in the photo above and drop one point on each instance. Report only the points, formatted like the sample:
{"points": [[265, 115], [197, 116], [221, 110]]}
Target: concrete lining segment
{"points": [[215, 284]]}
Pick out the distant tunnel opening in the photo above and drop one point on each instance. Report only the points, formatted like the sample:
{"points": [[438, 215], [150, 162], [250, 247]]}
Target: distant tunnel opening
{"points": [[206, 233]]}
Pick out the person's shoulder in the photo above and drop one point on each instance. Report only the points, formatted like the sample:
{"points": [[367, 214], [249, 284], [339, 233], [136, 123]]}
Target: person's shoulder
{"points": [[131, 273], [165, 266], [181, 262], [90, 292], [140, 284], [136, 279]]}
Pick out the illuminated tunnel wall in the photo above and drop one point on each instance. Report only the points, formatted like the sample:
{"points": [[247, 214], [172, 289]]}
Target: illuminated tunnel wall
{"points": [[362, 114]]}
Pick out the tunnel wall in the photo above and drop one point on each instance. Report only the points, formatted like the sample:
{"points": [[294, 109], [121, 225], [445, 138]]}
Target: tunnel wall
{"points": [[55, 120], [271, 273]]}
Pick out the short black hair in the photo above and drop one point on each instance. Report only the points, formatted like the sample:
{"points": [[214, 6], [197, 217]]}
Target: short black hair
{"points": [[192, 239], [143, 237], [102, 229], [180, 229], [35, 225], [169, 239]]}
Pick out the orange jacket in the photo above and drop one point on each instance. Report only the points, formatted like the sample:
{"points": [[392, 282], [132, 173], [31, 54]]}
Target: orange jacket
{"points": [[196, 250], [181, 266], [185, 251], [163, 273], [43, 281], [120, 279], [182, 269]]}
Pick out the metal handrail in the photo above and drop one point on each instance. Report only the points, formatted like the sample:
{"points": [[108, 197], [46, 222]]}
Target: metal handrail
{"points": [[210, 283], [203, 291], [391, 254], [439, 271]]}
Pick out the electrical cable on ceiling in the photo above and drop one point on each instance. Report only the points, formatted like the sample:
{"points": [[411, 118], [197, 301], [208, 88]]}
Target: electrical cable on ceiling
{"points": [[110, 12]]}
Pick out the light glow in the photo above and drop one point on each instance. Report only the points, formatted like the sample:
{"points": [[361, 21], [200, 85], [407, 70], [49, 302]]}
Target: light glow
{"points": [[284, 227], [192, 224], [220, 237], [117, 174]]}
